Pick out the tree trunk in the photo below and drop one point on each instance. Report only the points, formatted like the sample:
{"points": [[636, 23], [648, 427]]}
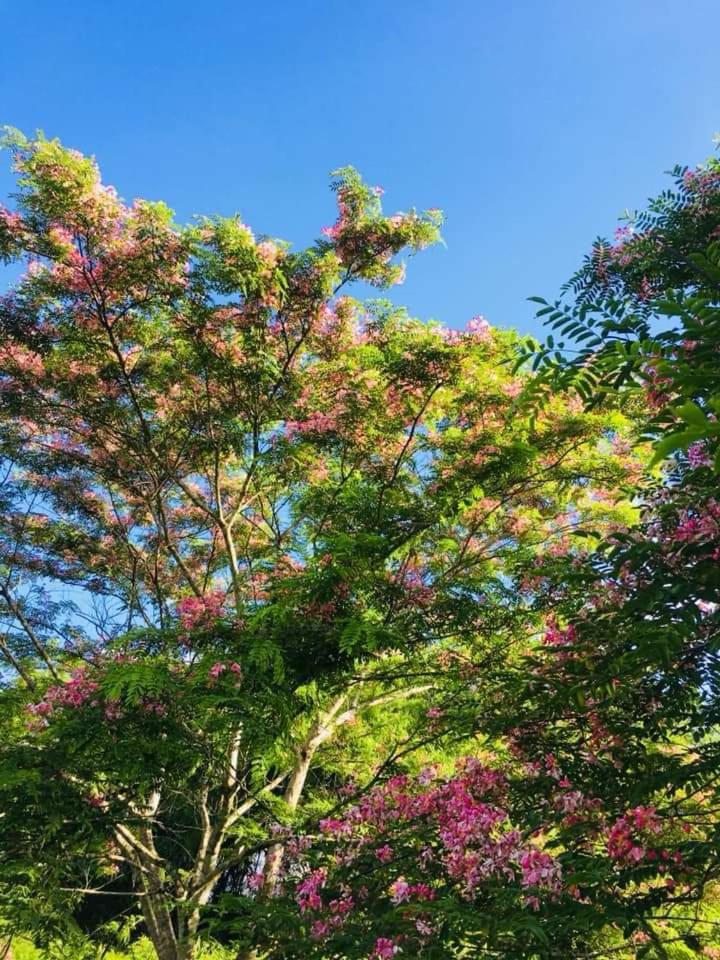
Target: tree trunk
{"points": [[160, 929], [295, 785], [292, 795], [186, 949]]}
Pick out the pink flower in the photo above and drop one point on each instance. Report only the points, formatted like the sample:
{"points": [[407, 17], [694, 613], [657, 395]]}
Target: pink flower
{"points": [[555, 637], [41, 709], [11, 221], [400, 891], [307, 895], [384, 947], [24, 360], [698, 456], [427, 775], [622, 842], [152, 706], [539, 870], [200, 611], [449, 336], [215, 670], [512, 389], [268, 252], [320, 929], [422, 891], [75, 692], [316, 423], [335, 827], [480, 329]]}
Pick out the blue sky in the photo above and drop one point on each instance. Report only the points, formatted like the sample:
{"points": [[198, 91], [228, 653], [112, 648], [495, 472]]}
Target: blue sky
{"points": [[532, 123]]}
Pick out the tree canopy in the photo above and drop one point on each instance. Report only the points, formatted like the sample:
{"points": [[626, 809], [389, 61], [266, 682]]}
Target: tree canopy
{"points": [[329, 632]]}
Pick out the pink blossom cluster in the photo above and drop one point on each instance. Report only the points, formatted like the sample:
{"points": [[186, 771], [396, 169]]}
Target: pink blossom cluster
{"points": [[361, 235], [629, 247], [701, 527], [556, 637], [200, 611], [480, 329], [474, 842], [384, 853], [416, 593], [402, 892], [217, 669], [153, 707], [10, 221], [268, 252], [316, 423], [328, 321], [698, 455], [384, 947], [657, 388], [22, 360], [647, 289], [624, 252], [336, 827], [702, 181], [75, 692], [464, 840], [477, 328], [338, 910], [307, 894], [574, 803], [255, 881], [633, 838], [344, 214], [112, 710], [539, 869], [450, 336]]}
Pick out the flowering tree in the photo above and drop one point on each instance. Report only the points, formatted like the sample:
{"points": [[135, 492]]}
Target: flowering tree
{"points": [[255, 537], [587, 825], [626, 703], [662, 266]]}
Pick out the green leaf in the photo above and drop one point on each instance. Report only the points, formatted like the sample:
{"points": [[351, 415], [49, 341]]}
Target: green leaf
{"points": [[716, 462], [674, 442], [691, 413]]}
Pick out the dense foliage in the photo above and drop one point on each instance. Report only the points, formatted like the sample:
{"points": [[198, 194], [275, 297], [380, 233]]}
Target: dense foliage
{"points": [[324, 633]]}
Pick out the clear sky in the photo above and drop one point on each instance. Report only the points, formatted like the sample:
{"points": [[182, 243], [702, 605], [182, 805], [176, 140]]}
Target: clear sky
{"points": [[532, 123]]}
